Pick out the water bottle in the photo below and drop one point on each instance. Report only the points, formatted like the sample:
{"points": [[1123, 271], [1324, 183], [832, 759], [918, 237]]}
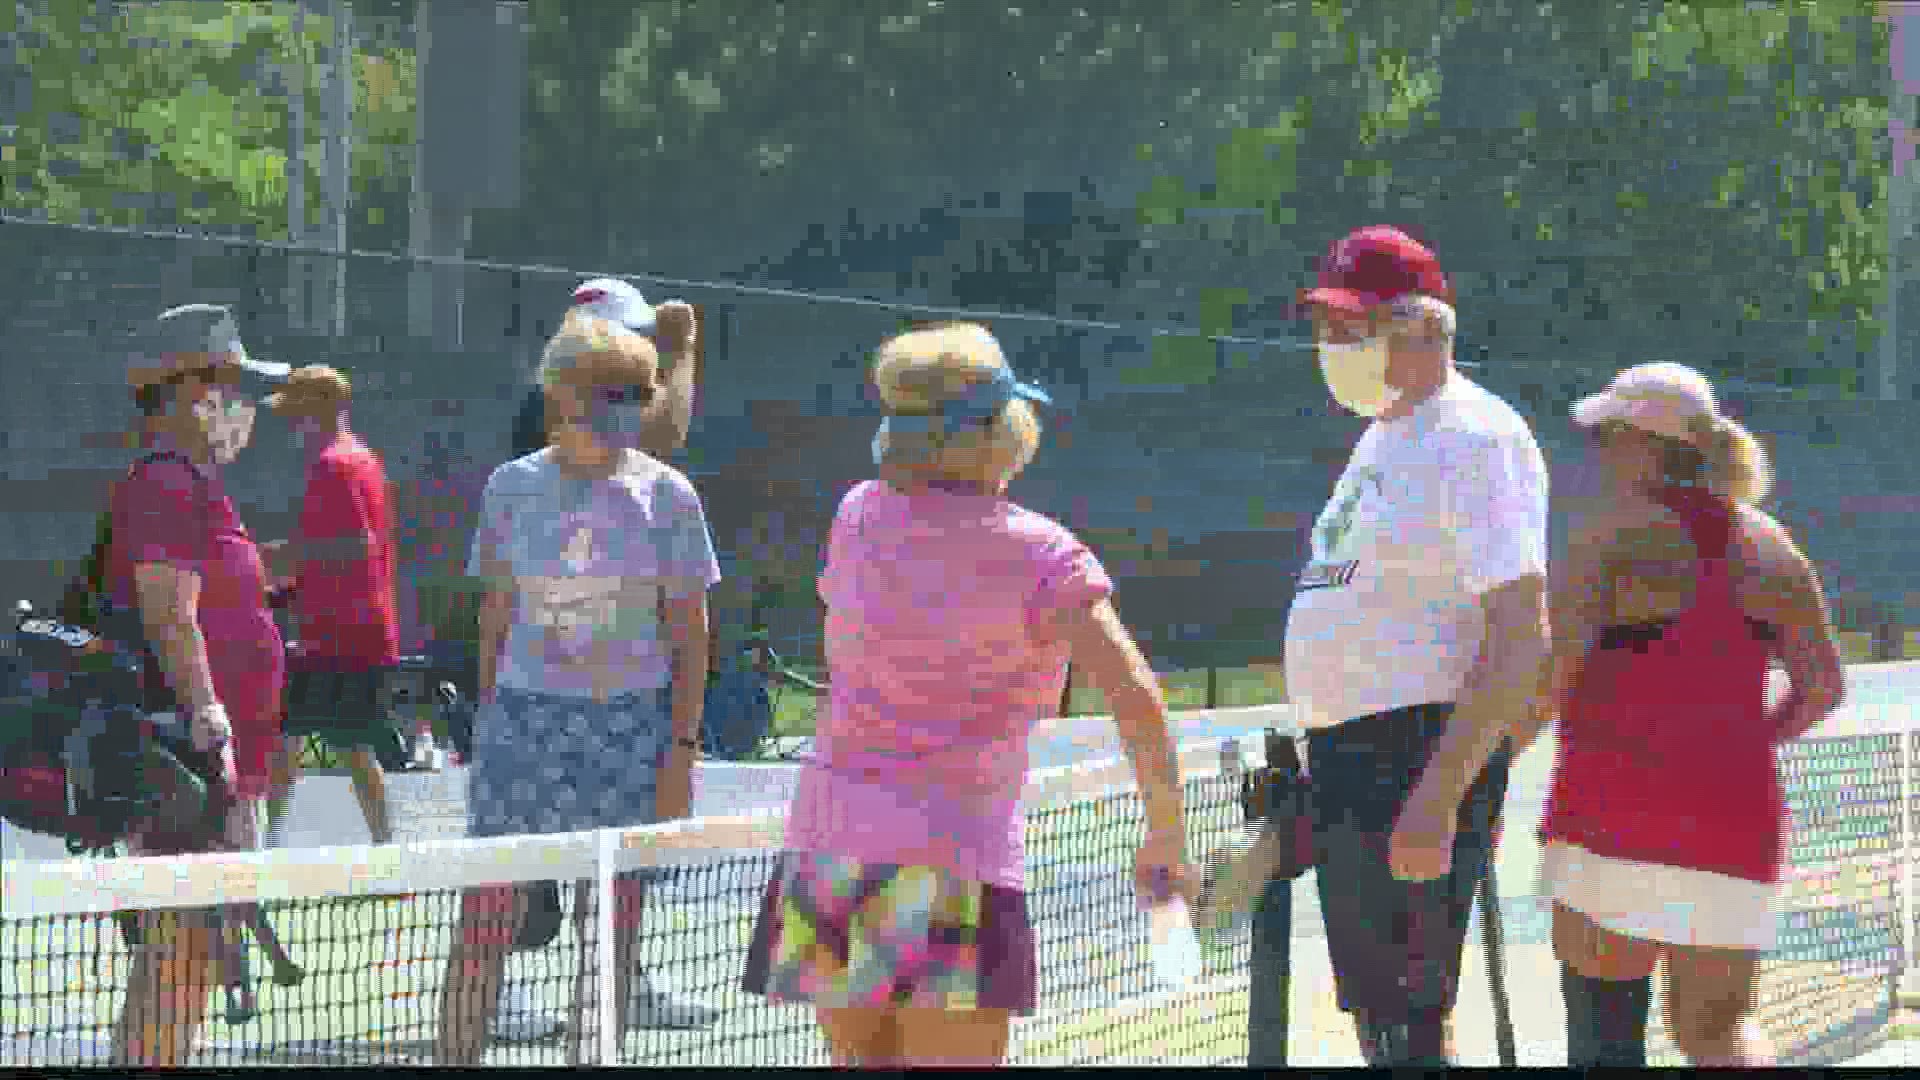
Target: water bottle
{"points": [[1175, 948], [426, 756]]}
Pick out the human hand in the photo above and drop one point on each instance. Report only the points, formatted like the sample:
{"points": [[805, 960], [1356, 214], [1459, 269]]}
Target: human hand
{"points": [[673, 787], [209, 728], [1161, 863], [675, 328], [1421, 848]]}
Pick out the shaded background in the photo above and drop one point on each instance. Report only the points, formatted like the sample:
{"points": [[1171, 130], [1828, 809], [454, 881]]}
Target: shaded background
{"points": [[1606, 184]]}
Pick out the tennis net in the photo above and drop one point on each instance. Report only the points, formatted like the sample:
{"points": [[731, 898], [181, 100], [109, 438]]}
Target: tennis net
{"points": [[372, 928]]}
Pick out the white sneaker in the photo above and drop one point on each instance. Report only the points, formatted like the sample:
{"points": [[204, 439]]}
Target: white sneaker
{"points": [[649, 1007], [520, 1019]]}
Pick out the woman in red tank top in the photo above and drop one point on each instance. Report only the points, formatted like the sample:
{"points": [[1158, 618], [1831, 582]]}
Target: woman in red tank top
{"points": [[1665, 829]]}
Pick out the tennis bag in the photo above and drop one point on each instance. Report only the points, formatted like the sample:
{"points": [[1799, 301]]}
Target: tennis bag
{"points": [[91, 741], [1278, 842], [82, 764]]}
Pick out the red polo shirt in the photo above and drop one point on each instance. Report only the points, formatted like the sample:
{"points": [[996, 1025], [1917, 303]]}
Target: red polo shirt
{"points": [[345, 611]]}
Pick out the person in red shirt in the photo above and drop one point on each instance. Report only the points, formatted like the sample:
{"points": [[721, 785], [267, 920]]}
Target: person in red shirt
{"points": [[181, 556], [345, 615], [1664, 838]]}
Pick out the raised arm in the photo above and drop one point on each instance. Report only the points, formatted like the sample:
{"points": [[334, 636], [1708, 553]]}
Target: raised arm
{"points": [[678, 339]]}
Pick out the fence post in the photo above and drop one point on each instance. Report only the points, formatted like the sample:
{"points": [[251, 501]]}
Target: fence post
{"points": [[1270, 965], [1213, 687], [1887, 643], [606, 1012], [1906, 978], [1269, 977]]}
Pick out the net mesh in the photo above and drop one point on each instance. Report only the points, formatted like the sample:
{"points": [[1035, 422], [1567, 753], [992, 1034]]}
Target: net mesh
{"points": [[1827, 990], [372, 928]]}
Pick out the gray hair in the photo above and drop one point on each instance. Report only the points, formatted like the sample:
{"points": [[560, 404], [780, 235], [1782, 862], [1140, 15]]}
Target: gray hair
{"points": [[1419, 307]]}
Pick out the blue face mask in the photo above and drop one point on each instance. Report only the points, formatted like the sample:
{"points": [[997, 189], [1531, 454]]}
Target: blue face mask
{"points": [[616, 425]]}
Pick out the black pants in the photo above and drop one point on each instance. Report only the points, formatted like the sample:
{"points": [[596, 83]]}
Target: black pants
{"points": [[1395, 945]]}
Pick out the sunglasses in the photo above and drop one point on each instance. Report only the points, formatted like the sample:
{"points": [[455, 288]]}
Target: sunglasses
{"points": [[211, 374], [624, 394]]}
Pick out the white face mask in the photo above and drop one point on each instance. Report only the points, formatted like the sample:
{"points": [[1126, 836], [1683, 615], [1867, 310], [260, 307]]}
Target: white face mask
{"points": [[228, 422], [1356, 374]]}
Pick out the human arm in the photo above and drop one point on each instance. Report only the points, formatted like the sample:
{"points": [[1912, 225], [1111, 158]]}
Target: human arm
{"points": [[159, 524], [1497, 698], [689, 568], [1074, 605], [1495, 493], [1104, 651], [677, 337], [686, 619], [490, 573], [1577, 609], [1792, 599], [169, 597]]}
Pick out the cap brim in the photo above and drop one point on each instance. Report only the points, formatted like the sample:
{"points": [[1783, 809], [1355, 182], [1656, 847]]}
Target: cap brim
{"points": [[257, 375], [1594, 410], [268, 370], [146, 370], [1338, 299]]}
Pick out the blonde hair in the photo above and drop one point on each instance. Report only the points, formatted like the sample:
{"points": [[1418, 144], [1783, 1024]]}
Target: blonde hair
{"points": [[587, 346], [1735, 462], [922, 369], [1719, 454], [588, 349]]}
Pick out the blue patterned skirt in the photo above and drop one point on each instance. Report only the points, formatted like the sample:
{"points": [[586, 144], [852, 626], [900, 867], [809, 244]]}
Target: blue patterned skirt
{"points": [[548, 763]]}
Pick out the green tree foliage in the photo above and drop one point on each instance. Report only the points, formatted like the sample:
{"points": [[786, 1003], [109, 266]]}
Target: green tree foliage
{"points": [[1790, 96], [170, 112], [736, 111]]}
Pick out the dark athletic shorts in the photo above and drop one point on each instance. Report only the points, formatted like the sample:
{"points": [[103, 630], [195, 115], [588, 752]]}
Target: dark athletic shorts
{"points": [[1395, 945], [349, 710]]}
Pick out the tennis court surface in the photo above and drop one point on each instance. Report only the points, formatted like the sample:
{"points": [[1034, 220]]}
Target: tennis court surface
{"points": [[372, 926]]}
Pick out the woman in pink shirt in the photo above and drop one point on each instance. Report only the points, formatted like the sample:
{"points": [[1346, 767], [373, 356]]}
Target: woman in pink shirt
{"points": [[899, 911]]}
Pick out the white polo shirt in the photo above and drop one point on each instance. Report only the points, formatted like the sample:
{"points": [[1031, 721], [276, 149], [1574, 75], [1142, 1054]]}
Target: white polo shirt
{"points": [[1434, 509]]}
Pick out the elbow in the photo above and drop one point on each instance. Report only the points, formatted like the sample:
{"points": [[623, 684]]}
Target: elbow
{"points": [[1139, 711], [1829, 693]]}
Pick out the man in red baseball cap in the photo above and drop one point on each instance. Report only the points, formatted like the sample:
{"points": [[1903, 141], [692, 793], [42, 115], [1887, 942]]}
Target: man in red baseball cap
{"points": [[1415, 639]]}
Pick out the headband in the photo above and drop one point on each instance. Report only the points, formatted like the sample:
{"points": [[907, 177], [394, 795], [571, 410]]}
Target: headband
{"points": [[977, 406]]}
